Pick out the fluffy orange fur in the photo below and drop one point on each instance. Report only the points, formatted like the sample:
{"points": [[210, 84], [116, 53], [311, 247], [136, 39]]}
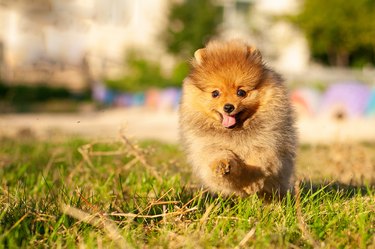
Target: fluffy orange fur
{"points": [[236, 121]]}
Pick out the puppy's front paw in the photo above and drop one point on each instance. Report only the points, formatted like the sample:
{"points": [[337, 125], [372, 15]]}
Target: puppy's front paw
{"points": [[254, 187], [221, 167]]}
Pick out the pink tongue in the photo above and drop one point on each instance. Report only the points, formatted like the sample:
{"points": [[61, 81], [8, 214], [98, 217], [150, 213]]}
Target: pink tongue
{"points": [[228, 121]]}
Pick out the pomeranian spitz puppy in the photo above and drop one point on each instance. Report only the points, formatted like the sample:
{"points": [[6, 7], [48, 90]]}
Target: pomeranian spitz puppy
{"points": [[236, 121]]}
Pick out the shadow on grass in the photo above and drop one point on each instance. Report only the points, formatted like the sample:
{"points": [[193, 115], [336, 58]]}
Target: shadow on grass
{"points": [[308, 187]]}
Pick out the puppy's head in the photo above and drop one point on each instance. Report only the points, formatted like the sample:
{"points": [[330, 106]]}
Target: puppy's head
{"points": [[226, 76]]}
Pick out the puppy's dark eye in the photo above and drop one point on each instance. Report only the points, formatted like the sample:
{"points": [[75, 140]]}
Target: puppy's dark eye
{"points": [[241, 93], [215, 94]]}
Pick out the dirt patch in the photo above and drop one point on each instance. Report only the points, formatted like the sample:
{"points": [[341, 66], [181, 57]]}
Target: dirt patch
{"points": [[142, 123]]}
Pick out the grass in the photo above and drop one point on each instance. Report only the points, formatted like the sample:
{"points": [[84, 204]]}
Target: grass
{"points": [[70, 193]]}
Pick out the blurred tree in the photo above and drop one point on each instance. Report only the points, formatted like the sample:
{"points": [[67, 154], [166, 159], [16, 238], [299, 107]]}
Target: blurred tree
{"points": [[190, 24], [141, 74], [339, 32]]}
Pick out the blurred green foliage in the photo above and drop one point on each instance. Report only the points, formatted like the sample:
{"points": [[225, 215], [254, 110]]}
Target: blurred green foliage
{"points": [[24, 98], [339, 32], [26, 93], [191, 23], [142, 74], [179, 72]]}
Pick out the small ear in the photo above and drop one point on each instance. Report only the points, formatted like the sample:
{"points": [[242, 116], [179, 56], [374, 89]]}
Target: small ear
{"points": [[198, 55], [254, 54]]}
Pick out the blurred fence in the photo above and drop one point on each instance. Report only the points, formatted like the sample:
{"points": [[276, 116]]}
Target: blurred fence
{"points": [[341, 100], [153, 98]]}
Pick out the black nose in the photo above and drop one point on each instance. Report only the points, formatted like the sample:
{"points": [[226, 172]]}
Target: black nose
{"points": [[228, 108]]}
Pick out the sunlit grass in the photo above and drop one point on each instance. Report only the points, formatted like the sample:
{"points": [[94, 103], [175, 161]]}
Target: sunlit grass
{"points": [[76, 193]]}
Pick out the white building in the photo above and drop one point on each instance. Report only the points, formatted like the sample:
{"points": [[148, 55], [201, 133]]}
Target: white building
{"points": [[57, 40], [67, 41], [254, 20]]}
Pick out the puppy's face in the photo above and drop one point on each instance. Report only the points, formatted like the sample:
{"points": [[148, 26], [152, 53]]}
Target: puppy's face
{"points": [[227, 78], [231, 104]]}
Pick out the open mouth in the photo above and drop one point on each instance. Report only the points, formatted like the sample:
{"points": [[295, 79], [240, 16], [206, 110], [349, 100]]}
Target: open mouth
{"points": [[229, 121]]}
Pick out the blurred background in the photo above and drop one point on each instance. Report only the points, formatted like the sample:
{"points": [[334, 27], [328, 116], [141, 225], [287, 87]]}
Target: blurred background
{"points": [[91, 67]]}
